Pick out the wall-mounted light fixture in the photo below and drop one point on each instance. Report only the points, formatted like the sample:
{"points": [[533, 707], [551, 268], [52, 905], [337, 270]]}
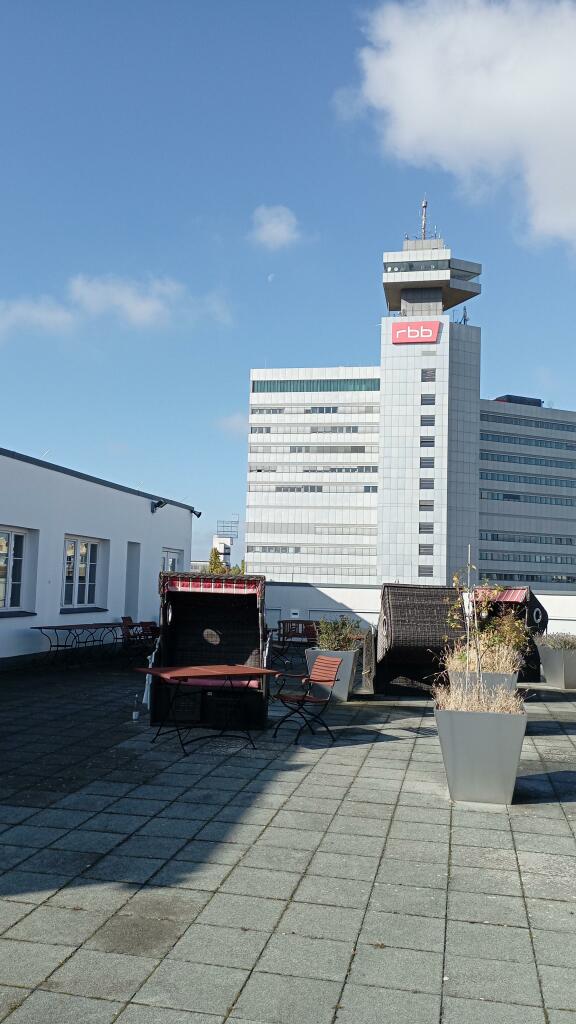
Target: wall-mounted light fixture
{"points": [[155, 505]]}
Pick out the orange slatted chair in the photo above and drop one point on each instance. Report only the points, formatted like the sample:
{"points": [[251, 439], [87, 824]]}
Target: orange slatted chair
{"points": [[311, 704]]}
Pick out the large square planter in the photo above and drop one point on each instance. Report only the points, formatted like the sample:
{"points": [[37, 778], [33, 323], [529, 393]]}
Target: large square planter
{"points": [[346, 672], [490, 679], [481, 751], [558, 667]]}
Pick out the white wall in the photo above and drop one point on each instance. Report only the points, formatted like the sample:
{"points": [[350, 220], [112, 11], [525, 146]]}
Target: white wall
{"points": [[316, 602], [55, 504], [561, 610]]}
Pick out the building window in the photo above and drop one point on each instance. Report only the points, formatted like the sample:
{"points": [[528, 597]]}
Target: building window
{"points": [[428, 375], [11, 561], [427, 421], [426, 485], [427, 399], [427, 463], [425, 570], [172, 560], [345, 384], [426, 506], [427, 442], [426, 528], [370, 489], [80, 567], [426, 549]]}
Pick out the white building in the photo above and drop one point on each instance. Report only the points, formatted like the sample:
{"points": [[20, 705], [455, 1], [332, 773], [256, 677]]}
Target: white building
{"points": [[75, 545], [312, 476], [364, 475]]}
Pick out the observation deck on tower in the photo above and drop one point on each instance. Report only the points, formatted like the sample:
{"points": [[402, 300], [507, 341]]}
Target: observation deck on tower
{"points": [[424, 277]]}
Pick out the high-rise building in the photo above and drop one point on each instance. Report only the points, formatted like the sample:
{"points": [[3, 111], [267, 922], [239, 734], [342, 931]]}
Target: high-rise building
{"points": [[359, 475]]}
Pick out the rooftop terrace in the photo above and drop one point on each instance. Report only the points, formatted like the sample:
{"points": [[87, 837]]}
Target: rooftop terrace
{"points": [[284, 885]]}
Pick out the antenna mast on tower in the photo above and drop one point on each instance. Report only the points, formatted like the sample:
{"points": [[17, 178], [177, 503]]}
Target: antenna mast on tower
{"points": [[424, 209]]}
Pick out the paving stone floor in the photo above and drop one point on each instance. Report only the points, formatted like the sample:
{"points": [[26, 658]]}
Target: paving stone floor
{"points": [[284, 885]]}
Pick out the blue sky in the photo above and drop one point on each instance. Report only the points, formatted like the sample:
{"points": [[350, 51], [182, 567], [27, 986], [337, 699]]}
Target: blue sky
{"points": [[136, 288]]}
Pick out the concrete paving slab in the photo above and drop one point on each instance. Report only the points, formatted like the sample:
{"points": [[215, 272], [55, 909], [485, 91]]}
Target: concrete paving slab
{"points": [[198, 987], [43, 1007], [101, 975]]}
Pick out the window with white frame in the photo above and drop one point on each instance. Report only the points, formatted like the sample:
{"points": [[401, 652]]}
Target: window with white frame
{"points": [[172, 560], [80, 572], [11, 564]]}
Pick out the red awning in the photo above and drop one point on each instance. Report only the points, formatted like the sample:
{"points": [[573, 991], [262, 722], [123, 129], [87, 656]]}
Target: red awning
{"points": [[512, 595]]}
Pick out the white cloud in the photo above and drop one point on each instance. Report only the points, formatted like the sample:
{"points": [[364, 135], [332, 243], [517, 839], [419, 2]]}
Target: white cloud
{"points": [[485, 90], [146, 304], [274, 227], [158, 302], [42, 314], [236, 423]]}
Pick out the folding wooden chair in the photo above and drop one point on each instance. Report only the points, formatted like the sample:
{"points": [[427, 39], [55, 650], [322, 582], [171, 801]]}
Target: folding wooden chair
{"points": [[311, 704]]}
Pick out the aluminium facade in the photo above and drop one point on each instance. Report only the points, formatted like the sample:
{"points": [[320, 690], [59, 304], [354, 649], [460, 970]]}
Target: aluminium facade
{"points": [[359, 475]]}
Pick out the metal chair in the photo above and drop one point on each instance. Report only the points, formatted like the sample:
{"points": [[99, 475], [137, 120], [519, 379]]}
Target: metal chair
{"points": [[310, 705]]}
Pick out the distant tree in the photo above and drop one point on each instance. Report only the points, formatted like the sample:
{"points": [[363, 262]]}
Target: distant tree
{"points": [[215, 564], [238, 570]]}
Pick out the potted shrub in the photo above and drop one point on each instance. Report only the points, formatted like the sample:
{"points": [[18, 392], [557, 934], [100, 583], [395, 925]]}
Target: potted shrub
{"points": [[495, 662], [558, 657], [481, 725], [481, 729], [339, 637]]}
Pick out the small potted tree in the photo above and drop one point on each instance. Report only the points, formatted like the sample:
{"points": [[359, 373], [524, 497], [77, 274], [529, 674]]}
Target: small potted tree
{"points": [[558, 658], [341, 638], [480, 726]]}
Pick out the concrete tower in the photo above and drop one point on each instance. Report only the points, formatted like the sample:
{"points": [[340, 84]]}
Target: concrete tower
{"points": [[430, 388]]}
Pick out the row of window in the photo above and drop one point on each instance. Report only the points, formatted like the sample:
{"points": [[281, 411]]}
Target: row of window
{"points": [[314, 409], [528, 460], [427, 442], [524, 556], [316, 488], [528, 577], [312, 549], [427, 399], [82, 570], [426, 484], [297, 428], [282, 570], [531, 499], [526, 538], [532, 442], [314, 449], [524, 478], [528, 421], [312, 469], [428, 375], [346, 384], [323, 529], [425, 549], [425, 570]]}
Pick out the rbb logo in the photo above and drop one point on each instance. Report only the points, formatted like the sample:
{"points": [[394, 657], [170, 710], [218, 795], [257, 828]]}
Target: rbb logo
{"points": [[415, 332]]}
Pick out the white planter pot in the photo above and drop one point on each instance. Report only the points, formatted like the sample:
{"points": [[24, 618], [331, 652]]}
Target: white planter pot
{"points": [[558, 667], [481, 751], [490, 679], [346, 672]]}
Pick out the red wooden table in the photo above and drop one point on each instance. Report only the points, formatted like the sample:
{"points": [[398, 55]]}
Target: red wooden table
{"points": [[209, 677]]}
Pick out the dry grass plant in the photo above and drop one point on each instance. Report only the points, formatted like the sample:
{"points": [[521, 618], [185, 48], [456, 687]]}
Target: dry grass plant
{"points": [[558, 641], [478, 697], [485, 656]]}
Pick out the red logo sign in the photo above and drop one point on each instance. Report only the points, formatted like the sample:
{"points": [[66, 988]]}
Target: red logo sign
{"points": [[414, 332]]}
